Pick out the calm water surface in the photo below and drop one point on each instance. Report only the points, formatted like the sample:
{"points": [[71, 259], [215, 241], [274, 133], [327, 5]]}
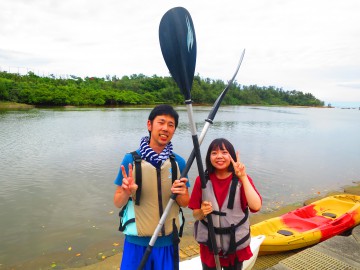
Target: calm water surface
{"points": [[57, 170]]}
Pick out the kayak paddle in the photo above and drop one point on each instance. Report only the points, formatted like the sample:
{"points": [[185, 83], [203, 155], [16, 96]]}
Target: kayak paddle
{"points": [[178, 46]]}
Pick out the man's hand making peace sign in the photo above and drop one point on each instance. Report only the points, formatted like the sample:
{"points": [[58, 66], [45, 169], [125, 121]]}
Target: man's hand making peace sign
{"points": [[128, 183]]}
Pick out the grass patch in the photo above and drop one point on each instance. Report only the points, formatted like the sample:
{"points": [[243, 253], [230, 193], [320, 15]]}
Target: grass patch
{"points": [[14, 105]]}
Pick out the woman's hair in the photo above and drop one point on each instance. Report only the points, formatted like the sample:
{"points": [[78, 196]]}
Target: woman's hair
{"points": [[221, 144]]}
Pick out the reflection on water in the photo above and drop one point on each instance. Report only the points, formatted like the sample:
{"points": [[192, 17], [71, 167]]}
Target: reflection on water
{"points": [[57, 168]]}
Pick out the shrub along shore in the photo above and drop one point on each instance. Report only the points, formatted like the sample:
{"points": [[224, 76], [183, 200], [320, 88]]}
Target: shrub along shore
{"points": [[139, 89]]}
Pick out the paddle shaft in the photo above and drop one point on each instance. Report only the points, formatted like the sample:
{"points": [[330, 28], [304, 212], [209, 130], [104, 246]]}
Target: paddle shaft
{"points": [[210, 119], [203, 180]]}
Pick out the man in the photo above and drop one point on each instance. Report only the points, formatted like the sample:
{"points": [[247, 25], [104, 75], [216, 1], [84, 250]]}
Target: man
{"points": [[145, 182]]}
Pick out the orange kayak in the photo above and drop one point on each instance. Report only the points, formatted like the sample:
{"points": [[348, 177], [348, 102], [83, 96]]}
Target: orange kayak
{"points": [[308, 225]]}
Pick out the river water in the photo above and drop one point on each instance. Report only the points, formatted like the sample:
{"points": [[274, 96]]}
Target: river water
{"points": [[58, 166]]}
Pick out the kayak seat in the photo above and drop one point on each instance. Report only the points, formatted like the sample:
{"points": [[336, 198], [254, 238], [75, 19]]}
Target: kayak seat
{"points": [[284, 232], [308, 218], [331, 215], [300, 224]]}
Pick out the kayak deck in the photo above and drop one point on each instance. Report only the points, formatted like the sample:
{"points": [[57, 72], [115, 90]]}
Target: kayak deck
{"points": [[310, 224]]}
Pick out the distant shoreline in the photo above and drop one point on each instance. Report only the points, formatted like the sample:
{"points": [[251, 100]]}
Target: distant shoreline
{"points": [[14, 106]]}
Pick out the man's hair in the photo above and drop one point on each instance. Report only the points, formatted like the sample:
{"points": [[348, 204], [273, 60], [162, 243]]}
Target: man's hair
{"points": [[219, 143], [164, 109]]}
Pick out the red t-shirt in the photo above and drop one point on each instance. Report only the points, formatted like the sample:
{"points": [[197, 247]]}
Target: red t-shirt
{"points": [[221, 187]]}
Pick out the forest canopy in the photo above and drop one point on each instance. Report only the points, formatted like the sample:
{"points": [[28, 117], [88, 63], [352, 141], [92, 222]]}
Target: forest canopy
{"points": [[138, 89]]}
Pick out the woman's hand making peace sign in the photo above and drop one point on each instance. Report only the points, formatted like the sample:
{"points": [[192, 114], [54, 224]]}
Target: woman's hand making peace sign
{"points": [[239, 167]]}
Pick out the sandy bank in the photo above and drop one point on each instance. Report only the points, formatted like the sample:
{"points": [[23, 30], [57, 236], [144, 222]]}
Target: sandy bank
{"points": [[13, 105]]}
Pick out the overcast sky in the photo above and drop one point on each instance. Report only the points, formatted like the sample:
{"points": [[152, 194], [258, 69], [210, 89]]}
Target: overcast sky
{"points": [[305, 45]]}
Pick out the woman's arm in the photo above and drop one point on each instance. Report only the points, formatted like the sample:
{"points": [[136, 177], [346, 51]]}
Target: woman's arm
{"points": [[252, 197], [206, 208]]}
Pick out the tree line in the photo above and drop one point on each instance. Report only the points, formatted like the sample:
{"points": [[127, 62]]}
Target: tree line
{"points": [[138, 89]]}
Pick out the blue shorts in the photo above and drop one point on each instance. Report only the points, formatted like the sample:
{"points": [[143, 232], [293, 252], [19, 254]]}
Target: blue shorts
{"points": [[159, 258]]}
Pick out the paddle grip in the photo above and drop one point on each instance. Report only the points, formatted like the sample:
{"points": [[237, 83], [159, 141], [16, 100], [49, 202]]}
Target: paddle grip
{"points": [[145, 258]]}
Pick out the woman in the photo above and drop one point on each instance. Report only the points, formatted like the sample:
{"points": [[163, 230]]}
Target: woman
{"points": [[228, 194]]}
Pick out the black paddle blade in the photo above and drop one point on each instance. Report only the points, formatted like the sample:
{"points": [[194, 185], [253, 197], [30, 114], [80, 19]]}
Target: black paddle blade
{"points": [[178, 46]]}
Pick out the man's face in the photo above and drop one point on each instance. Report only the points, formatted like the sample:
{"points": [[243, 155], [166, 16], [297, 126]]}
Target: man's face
{"points": [[162, 129]]}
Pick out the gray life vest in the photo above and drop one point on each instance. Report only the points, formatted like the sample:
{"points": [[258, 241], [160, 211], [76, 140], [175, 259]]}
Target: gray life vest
{"points": [[231, 223]]}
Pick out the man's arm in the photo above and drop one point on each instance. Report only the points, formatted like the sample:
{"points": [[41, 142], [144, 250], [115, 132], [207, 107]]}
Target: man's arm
{"points": [[121, 197], [125, 183], [179, 187]]}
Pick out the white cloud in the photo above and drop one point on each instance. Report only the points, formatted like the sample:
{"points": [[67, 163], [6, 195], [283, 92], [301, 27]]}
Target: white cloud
{"points": [[310, 46], [355, 84]]}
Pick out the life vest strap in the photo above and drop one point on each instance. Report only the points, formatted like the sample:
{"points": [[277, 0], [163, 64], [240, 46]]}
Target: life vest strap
{"points": [[183, 222], [227, 230], [232, 192], [123, 226], [173, 168], [218, 213], [234, 183], [137, 160], [243, 240], [176, 241], [233, 244], [121, 215]]}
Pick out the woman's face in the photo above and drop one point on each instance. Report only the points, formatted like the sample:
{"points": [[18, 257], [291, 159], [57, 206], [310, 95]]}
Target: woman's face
{"points": [[220, 159]]}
